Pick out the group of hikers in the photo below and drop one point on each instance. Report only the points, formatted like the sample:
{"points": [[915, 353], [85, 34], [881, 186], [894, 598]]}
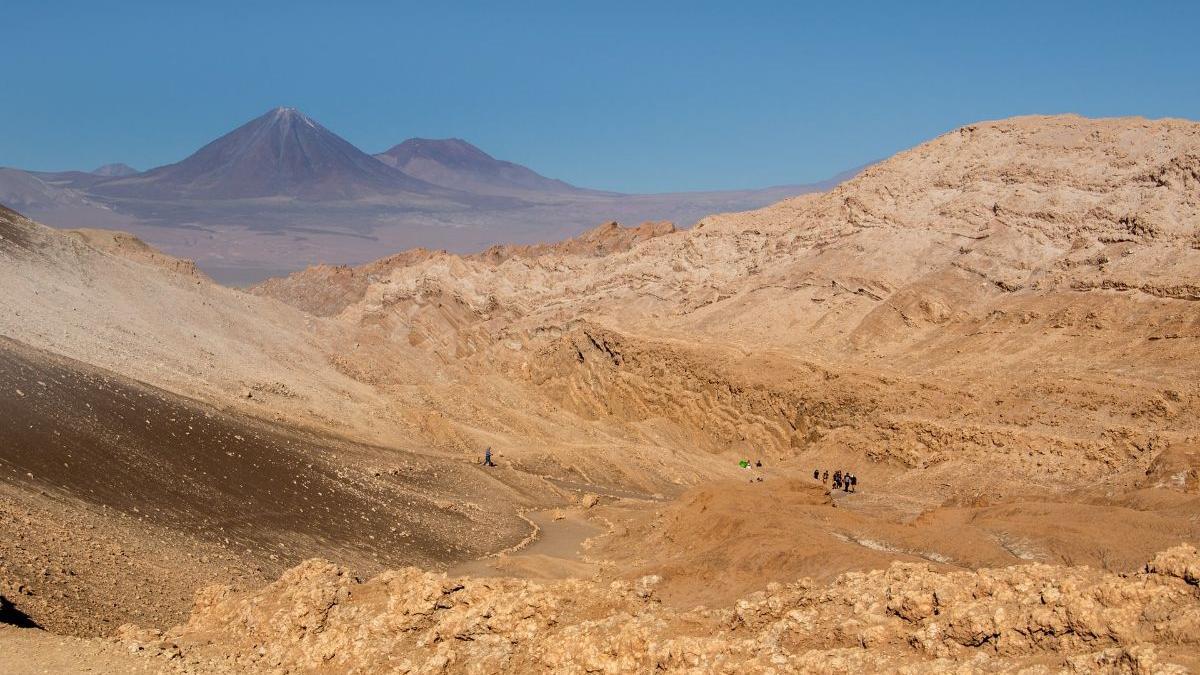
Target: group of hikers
{"points": [[745, 464], [842, 480]]}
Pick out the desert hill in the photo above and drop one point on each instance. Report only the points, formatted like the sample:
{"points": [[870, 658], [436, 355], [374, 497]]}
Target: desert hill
{"points": [[996, 331], [175, 477], [327, 290], [20, 189], [972, 323], [977, 255], [218, 492]]}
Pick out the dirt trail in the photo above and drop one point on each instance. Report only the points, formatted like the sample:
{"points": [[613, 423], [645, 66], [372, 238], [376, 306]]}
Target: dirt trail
{"points": [[556, 551], [724, 539], [35, 652]]}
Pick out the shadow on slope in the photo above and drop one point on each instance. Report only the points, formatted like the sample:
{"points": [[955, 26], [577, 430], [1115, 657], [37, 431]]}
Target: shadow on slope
{"points": [[257, 493]]}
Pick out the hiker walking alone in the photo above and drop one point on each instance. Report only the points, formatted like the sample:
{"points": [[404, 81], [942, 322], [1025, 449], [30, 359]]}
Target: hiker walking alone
{"points": [[487, 457]]}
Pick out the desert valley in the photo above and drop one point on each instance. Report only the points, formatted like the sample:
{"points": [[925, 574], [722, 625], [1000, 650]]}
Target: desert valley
{"points": [[997, 332]]}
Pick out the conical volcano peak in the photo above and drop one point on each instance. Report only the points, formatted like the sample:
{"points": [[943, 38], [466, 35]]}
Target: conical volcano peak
{"points": [[289, 115], [116, 170], [288, 111], [282, 152]]}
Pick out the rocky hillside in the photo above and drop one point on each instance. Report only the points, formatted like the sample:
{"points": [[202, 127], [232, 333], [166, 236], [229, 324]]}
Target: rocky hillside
{"points": [[1026, 284], [995, 331], [905, 617], [326, 290], [1019, 291]]}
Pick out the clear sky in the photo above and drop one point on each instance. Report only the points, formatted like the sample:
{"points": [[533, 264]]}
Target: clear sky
{"points": [[640, 96]]}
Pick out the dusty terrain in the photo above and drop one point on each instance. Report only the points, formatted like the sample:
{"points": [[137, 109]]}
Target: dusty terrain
{"points": [[317, 618], [997, 331]]}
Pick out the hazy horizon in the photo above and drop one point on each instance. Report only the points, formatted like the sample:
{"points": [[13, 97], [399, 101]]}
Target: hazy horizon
{"points": [[669, 98]]}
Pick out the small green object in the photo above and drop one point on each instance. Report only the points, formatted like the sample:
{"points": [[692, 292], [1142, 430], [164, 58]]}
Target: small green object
{"points": [[745, 463]]}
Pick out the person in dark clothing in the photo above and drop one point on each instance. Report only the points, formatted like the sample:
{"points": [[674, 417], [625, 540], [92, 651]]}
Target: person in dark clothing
{"points": [[487, 457], [846, 483], [854, 483], [816, 474], [837, 479], [826, 476]]}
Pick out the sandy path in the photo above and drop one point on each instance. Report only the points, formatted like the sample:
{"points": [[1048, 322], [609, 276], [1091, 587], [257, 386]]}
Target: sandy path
{"points": [[556, 552], [25, 651]]}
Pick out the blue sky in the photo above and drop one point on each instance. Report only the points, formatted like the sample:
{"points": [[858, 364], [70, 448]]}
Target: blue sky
{"points": [[627, 96]]}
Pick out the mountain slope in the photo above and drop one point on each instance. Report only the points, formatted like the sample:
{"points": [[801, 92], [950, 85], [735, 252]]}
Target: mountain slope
{"points": [[152, 428], [281, 153], [25, 190], [987, 263], [326, 290], [455, 163], [995, 330], [116, 169]]}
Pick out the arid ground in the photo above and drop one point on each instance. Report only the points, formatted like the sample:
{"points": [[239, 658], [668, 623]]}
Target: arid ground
{"points": [[997, 332]]}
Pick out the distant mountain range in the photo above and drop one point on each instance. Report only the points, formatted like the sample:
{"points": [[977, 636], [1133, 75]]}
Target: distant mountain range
{"points": [[281, 153], [282, 191], [285, 153]]}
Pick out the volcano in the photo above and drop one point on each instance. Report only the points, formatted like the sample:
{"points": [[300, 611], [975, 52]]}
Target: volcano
{"points": [[455, 163], [114, 170], [283, 153]]}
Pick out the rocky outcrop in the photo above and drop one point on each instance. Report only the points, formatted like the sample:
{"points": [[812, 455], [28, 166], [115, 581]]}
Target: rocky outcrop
{"points": [[326, 290], [906, 616], [611, 237], [726, 399]]}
